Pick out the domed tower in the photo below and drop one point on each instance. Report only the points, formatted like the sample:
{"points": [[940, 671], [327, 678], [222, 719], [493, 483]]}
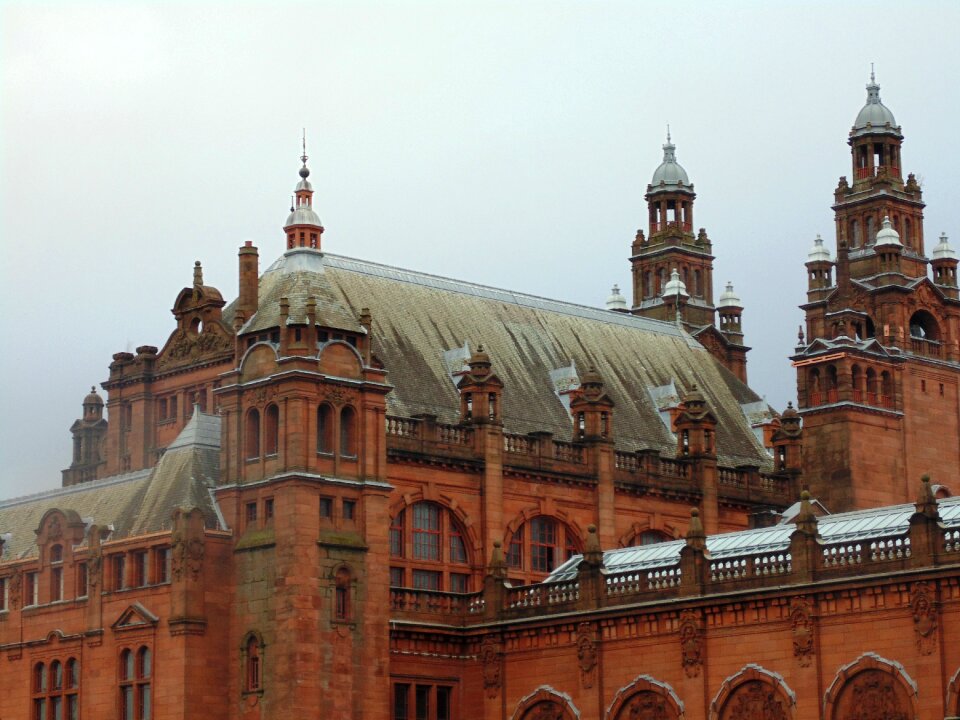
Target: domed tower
{"points": [[303, 227], [878, 191], [879, 372], [669, 244], [89, 433]]}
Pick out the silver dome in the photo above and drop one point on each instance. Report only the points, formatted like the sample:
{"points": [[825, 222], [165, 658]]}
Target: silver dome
{"points": [[887, 235], [670, 172], [616, 301], [818, 252], [943, 251], [728, 298], [303, 215], [675, 286], [875, 117]]}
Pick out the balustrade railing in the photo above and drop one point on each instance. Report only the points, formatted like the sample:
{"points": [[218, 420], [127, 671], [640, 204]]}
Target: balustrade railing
{"points": [[403, 427], [626, 461], [927, 348], [658, 226], [518, 444], [567, 452], [868, 172]]}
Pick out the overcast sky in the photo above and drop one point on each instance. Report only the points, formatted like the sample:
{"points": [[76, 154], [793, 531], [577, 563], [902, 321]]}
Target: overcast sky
{"points": [[504, 143]]}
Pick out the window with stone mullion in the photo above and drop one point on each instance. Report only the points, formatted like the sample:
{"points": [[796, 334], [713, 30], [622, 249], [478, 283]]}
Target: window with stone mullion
{"points": [[426, 531]]}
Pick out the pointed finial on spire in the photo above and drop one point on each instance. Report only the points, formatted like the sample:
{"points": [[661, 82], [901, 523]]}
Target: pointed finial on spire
{"points": [[197, 275], [304, 171], [873, 78], [668, 132]]}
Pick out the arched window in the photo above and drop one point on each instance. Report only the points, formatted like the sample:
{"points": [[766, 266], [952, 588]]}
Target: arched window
{"points": [[135, 671], [539, 545], [886, 389], [56, 573], [253, 675], [55, 690], [831, 382], [341, 608], [325, 428], [252, 445], [857, 378], [924, 326], [348, 431], [697, 286], [814, 388], [428, 549], [648, 284], [271, 430], [872, 390], [856, 240], [651, 537], [907, 233], [871, 230]]}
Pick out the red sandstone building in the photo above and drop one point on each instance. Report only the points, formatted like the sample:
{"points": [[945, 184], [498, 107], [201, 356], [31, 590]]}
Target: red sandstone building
{"points": [[328, 499]]}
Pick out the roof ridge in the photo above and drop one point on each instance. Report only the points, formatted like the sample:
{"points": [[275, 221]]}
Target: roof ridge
{"points": [[79, 487]]}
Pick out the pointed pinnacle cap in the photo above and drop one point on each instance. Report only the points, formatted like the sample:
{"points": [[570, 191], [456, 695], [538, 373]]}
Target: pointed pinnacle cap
{"points": [[874, 117]]}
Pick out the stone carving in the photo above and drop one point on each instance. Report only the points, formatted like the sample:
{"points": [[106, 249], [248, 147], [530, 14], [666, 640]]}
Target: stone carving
{"points": [[924, 617], [186, 556], [801, 624], [94, 566], [544, 710], [755, 700], [646, 705], [184, 348], [691, 643], [16, 583], [336, 395], [873, 696], [490, 653], [54, 530], [586, 654]]}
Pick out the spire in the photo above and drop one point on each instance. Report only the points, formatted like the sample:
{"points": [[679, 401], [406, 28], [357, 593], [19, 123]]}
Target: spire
{"points": [[303, 227], [669, 149], [197, 275]]}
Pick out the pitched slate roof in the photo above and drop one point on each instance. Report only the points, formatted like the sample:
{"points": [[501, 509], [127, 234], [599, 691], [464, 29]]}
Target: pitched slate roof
{"points": [[134, 503], [418, 317], [855, 527]]}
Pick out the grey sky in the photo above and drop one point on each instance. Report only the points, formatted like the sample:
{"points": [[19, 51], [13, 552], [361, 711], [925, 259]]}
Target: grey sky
{"points": [[504, 143]]}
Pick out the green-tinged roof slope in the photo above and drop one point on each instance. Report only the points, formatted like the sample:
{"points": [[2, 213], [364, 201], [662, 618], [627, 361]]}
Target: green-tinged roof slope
{"points": [[424, 327], [135, 503]]}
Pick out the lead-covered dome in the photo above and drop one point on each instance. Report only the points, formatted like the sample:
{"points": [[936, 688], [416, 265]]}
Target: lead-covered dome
{"points": [[670, 174], [874, 117]]}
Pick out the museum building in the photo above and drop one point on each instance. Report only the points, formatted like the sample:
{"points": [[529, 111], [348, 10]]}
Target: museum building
{"points": [[360, 491]]}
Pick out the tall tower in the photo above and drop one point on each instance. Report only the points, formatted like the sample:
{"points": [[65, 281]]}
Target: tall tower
{"points": [[671, 244], [673, 268], [879, 370], [89, 434]]}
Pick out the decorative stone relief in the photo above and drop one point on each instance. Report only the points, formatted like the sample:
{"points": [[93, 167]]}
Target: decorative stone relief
{"points": [[801, 624], [646, 705], [336, 395], [186, 555], [755, 700], [16, 584], [184, 348], [94, 566], [544, 710], [924, 611], [490, 653], [873, 695], [587, 654], [691, 643]]}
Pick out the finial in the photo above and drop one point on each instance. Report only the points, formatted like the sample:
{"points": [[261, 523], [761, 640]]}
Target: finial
{"points": [[668, 133], [197, 274], [293, 202], [873, 79], [93, 388], [304, 171]]}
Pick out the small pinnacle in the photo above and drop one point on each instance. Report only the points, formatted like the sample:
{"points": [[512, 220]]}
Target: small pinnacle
{"points": [[668, 133], [694, 512], [873, 79]]}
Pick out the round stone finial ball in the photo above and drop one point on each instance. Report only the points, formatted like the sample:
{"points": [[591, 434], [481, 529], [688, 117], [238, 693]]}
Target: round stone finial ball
{"points": [[497, 543], [694, 512], [304, 172], [591, 528]]}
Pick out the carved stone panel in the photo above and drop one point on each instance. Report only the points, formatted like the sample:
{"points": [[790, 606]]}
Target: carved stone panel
{"points": [[587, 654], [490, 654], [691, 643], [755, 700], [872, 695], [801, 624], [647, 705], [923, 608], [545, 710]]}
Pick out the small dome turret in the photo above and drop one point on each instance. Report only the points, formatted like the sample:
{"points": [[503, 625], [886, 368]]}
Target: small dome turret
{"points": [[943, 251], [874, 117], [303, 227], [887, 235], [670, 174], [818, 253], [93, 398], [616, 301], [675, 286], [728, 298]]}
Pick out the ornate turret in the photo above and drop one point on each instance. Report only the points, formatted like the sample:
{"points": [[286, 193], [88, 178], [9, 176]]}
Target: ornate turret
{"points": [[945, 266], [303, 226], [89, 433]]}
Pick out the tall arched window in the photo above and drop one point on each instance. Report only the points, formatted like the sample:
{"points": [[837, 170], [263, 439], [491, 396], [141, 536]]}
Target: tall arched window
{"points": [[428, 549], [815, 387], [871, 230], [856, 240], [348, 431], [253, 680], [857, 378], [872, 390], [271, 430], [135, 697], [252, 445], [341, 606], [539, 545], [325, 428]]}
